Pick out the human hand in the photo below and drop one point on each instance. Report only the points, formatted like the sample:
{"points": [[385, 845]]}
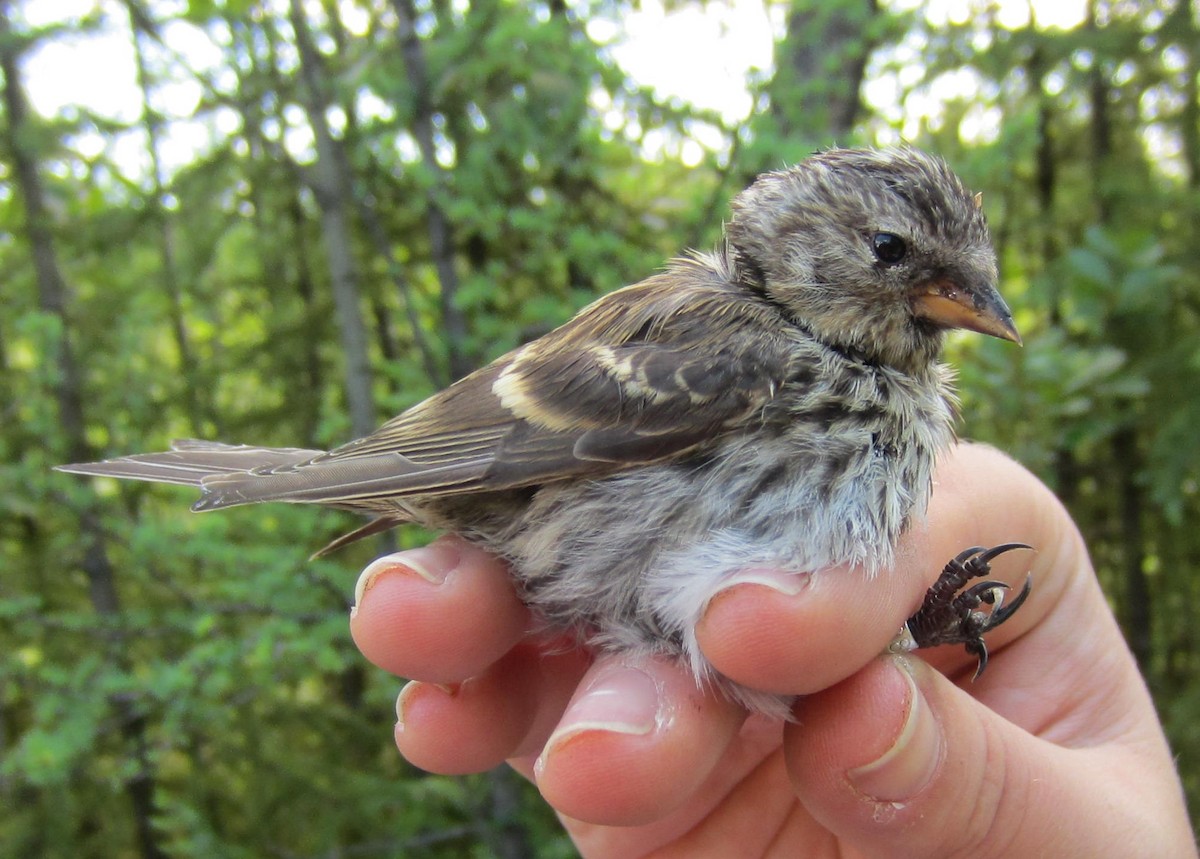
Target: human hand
{"points": [[1056, 750]]}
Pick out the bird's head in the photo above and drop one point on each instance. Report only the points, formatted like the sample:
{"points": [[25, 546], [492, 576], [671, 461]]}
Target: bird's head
{"points": [[876, 252]]}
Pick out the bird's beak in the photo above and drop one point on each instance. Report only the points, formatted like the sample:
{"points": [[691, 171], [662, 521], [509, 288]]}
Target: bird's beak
{"points": [[948, 303]]}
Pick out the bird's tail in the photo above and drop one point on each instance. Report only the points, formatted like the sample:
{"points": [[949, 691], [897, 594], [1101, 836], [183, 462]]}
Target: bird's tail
{"points": [[193, 463], [189, 462]]}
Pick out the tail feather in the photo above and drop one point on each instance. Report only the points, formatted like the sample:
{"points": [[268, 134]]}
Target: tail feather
{"points": [[230, 475], [375, 526], [190, 462], [362, 483]]}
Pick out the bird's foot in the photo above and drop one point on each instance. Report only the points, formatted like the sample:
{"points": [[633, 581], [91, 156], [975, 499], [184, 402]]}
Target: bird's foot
{"points": [[950, 615]]}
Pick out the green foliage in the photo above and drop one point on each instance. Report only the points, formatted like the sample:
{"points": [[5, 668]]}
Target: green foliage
{"points": [[203, 308]]}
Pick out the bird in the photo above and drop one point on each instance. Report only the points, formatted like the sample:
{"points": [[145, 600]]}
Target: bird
{"points": [[777, 401]]}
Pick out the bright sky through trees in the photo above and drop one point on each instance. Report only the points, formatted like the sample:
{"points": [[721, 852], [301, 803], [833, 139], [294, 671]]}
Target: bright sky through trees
{"points": [[704, 55]]}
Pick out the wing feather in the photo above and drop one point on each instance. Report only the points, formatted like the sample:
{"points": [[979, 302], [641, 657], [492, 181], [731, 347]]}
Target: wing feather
{"points": [[351, 483], [646, 373]]}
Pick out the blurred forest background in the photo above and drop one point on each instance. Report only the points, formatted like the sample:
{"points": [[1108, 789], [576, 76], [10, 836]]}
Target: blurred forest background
{"points": [[377, 196]]}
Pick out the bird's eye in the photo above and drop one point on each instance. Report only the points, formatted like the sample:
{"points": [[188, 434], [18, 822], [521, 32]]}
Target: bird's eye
{"points": [[889, 248]]}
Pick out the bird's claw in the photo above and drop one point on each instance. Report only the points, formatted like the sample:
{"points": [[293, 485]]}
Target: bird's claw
{"points": [[950, 615]]}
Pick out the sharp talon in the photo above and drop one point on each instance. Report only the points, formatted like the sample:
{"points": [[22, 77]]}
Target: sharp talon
{"points": [[975, 592], [997, 551], [983, 660], [966, 554], [1002, 612]]}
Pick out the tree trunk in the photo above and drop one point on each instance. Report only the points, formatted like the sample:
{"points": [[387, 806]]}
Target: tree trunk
{"points": [[290, 257], [441, 231], [68, 395], [374, 226], [152, 122], [1137, 597], [820, 65], [505, 834], [331, 184], [1101, 124], [1066, 466], [1189, 115], [1126, 449], [814, 95]]}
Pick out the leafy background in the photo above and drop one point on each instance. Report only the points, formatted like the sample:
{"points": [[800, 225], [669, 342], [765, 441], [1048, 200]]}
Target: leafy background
{"points": [[390, 192]]}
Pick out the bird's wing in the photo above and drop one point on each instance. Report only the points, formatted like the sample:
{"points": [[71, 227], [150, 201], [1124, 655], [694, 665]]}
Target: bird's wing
{"points": [[644, 374]]}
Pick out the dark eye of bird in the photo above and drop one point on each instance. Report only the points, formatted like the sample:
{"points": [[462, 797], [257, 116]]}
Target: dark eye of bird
{"points": [[889, 248]]}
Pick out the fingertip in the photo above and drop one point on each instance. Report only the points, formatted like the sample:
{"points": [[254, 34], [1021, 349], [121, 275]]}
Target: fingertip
{"points": [[637, 739], [870, 760], [839, 720], [470, 726], [506, 712], [873, 734], [440, 613], [798, 643]]}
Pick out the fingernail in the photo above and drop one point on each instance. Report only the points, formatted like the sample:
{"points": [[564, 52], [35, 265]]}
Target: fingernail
{"points": [[904, 770], [433, 563], [784, 581], [406, 694], [619, 699]]}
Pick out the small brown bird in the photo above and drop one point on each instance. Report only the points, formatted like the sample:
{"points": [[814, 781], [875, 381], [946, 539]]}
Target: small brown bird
{"points": [[777, 402]]}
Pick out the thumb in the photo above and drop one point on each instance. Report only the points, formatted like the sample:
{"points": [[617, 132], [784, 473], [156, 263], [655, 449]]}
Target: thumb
{"points": [[898, 761]]}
